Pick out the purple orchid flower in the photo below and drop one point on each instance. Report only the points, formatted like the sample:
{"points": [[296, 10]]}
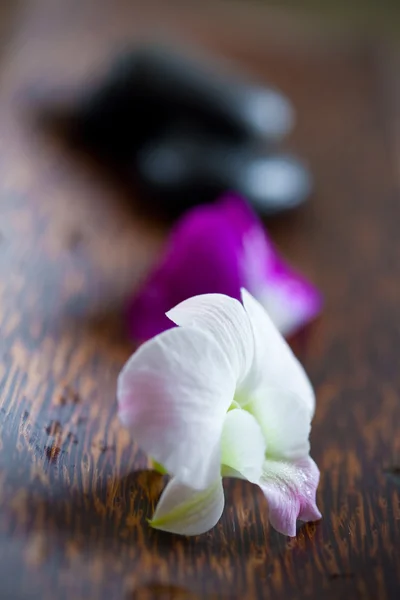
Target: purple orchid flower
{"points": [[221, 248]]}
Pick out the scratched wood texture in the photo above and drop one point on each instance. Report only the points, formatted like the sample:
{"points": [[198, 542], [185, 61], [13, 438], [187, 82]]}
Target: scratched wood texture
{"points": [[74, 492]]}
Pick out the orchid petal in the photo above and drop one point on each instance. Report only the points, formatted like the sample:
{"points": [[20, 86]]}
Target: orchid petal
{"points": [[290, 300], [202, 255], [219, 248], [274, 363], [186, 511], [226, 320], [173, 394], [290, 489], [243, 445], [284, 420]]}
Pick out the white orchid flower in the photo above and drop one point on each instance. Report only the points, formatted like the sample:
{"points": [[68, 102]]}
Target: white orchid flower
{"points": [[222, 395]]}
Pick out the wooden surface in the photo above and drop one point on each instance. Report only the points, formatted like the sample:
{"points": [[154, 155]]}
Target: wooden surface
{"points": [[74, 495]]}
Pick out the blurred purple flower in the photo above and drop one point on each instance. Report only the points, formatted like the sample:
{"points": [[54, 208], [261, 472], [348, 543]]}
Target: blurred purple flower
{"points": [[220, 248]]}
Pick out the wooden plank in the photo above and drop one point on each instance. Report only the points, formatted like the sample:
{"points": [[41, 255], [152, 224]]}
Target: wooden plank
{"points": [[74, 495]]}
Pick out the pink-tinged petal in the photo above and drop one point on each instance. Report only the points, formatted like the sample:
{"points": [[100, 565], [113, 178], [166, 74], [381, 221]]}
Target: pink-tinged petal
{"points": [[290, 490], [219, 248], [290, 300], [173, 395]]}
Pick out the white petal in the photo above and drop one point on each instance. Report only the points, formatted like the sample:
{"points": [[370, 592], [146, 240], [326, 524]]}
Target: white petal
{"points": [[226, 320], [274, 363], [285, 422], [186, 511], [173, 394], [290, 489], [243, 445]]}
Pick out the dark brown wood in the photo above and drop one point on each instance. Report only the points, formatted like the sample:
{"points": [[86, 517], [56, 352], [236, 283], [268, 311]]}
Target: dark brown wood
{"points": [[74, 492]]}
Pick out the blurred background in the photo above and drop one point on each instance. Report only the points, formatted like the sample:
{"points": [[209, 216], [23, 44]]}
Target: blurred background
{"points": [[89, 204], [107, 139]]}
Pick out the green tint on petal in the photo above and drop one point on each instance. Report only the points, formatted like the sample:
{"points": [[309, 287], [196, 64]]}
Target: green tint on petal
{"points": [[234, 405], [285, 422], [242, 445], [241, 399], [158, 467], [186, 511]]}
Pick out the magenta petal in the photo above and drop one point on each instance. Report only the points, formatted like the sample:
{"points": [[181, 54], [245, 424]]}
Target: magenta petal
{"points": [[219, 248], [290, 489], [288, 297], [202, 256]]}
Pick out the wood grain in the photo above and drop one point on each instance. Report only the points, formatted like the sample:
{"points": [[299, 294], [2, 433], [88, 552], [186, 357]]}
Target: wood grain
{"points": [[74, 492]]}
